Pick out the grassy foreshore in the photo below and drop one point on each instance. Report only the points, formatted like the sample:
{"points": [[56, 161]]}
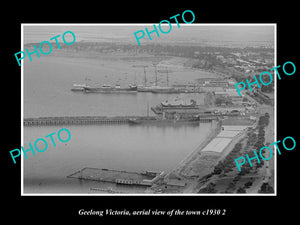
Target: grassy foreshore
{"points": [[225, 178]]}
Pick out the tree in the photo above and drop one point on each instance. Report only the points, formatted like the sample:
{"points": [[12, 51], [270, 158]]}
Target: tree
{"points": [[245, 99], [266, 188], [258, 165], [248, 184], [252, 137], [263, 121], [267, 115], [237, 147], [245, 169], [231, 185], [219, 168], [227, 168], [241, 190], [210, 188], [236, 178]]}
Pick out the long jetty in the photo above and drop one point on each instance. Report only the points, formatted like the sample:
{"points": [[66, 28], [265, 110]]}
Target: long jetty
{"points": [[91, 120], [75, 120]]}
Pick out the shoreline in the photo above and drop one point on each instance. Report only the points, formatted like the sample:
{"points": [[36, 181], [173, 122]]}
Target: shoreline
{"points": [[176, 175], [181, 166], [185, 179]]}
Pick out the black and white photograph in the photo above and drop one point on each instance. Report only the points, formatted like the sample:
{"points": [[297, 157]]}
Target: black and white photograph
{"points": [[160, 117], [151, 113]]}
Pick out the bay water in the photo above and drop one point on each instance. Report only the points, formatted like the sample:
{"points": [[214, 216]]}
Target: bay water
{"points": [[47, 84]]}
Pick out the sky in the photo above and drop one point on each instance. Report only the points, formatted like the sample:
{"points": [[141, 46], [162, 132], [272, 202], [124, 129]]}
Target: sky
{"points": [[189, 33]]}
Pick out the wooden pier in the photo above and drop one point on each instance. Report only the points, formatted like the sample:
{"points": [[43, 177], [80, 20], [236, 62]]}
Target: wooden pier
{"points": [[76, 120], [93, 120], [145, 178]]}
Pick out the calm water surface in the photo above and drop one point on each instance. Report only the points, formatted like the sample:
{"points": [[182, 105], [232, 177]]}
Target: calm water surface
{"points": [[121, 147], [47, 84]]}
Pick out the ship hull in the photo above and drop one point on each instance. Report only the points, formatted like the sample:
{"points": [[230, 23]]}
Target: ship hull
{"points": [[111, 90], [159, 122], [77, 89]]}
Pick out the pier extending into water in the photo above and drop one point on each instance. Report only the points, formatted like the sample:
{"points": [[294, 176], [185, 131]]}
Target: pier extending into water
{"points": [[74, 120], [91, 120], [146, 178]]}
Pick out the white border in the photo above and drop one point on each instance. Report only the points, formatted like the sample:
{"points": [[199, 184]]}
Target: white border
{"points": [[22, 110], [148, 24]]}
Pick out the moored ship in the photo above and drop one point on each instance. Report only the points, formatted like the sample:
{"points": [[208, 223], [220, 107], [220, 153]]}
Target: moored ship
{"points": [[167, 90], [156, 89], [79, 87], [162, 122], [110, 89]]}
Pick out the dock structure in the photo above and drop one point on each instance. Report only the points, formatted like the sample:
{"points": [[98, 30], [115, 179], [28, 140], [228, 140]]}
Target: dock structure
{"points": [[94, 120], [146, 178], [75, 120], [207, 119]]}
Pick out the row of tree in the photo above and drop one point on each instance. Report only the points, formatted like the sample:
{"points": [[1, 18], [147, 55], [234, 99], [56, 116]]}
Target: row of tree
{"points": [[227, 164], [254, 141]]}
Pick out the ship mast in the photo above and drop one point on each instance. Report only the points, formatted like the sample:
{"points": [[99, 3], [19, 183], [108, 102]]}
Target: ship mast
{"points": [[145, 77], [86, 79], [167, 74], [155, 70], [147, 109], [134, 78], [167, 77], [155, 76]]}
